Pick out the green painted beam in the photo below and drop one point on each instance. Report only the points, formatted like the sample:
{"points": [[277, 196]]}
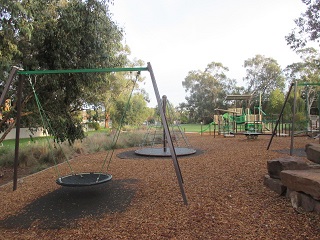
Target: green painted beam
{"points": [[97, 70]]}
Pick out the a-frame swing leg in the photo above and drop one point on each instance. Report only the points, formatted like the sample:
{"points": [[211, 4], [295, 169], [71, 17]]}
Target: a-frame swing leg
{"points": [[168, 135], [12, 74]]}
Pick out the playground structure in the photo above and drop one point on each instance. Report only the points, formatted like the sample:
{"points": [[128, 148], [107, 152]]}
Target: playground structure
{"points": [[240, 119], [155, 143], [85, 178]]}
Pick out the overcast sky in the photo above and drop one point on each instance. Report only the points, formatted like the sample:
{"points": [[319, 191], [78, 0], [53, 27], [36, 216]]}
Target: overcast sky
{"points": [[178, 36]]}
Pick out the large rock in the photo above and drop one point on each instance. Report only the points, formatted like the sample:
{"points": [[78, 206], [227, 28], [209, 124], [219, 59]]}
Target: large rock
{"points": [[307, 181], [275, 166], [303, 201], [313, 152], [274, 184]]}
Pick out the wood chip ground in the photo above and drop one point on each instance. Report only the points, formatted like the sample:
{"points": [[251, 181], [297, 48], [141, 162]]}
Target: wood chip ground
{"points": [[224, 188]]}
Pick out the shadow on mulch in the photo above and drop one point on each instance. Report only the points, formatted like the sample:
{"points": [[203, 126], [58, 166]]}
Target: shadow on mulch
{"points": [[299, 152], [132, 155], [61, 208]]}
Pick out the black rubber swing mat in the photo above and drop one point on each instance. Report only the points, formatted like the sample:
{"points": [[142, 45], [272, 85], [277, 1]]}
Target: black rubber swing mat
{"points": [[299, 152], [64, 206]]}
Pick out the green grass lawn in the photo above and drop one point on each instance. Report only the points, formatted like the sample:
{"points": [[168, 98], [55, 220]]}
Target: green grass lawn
{"points": [[194, 127], [10, 143]]}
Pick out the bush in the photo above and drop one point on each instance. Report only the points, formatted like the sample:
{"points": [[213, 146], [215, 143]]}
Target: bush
{"points": [[39, 155], [7, 159], [128, 128], [94, 125], [301, 122]]}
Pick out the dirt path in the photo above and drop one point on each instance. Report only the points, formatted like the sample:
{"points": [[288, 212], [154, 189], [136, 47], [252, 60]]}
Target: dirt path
{"points": [[223, 184]]}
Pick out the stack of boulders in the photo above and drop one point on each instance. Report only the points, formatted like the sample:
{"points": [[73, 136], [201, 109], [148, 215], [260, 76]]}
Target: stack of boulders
{"points": [[297, 178]]}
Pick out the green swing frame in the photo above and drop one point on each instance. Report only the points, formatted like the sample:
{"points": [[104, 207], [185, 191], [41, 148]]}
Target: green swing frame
{"points": [[21, 73], [293, 87]]}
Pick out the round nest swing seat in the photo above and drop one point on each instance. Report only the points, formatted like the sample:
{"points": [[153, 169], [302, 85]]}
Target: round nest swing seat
{"points": [[84, 179]]}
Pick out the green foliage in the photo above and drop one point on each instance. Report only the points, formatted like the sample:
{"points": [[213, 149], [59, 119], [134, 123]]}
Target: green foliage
{"points": [[15, 27], [128, 128], [263, 75], [307, 26], [60, 35], [183, 119], [206, 91], [300, 109], [301, 122], [7, 159], [307, 72], [93, 125], [276, 101], [134, 112]]}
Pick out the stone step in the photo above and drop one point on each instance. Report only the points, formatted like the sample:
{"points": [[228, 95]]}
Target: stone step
{"points": [[313, 152], [303, 201], [274, 184], [307, 181], [275, 166]]}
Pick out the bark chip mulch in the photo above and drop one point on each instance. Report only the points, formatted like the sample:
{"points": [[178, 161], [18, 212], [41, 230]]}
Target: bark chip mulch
{"points": [[223, 185]]}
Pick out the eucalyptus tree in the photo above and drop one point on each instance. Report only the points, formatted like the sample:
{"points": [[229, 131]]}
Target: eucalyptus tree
{"points": [[207, 90], [15, 25], [276, 101], [118, 87], [67, 35], [307, 26], [307, 72], [263, 75], [133, 112]]}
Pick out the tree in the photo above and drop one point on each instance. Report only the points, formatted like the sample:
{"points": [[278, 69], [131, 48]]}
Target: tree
{"points": [[275, 105], [133, 112], [207, 90], [66, 35], [307, 26], [300, 114], [306, 72], [263, 75], [276, 102], [117, 89], [15, 25]]}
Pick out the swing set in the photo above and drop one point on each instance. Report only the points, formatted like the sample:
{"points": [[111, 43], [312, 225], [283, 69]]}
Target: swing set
{"points": [[293, 87], [86, 178]]}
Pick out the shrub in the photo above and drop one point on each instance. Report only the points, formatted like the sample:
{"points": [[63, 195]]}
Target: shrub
{"points": [[39, 155], [7, 159], [94, 125]]}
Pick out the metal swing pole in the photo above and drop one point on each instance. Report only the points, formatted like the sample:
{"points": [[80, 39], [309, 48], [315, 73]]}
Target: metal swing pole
{"points": [[16, 152], [12, 74], [318, 114], [164, 107], [293, 117], [167, 133]]}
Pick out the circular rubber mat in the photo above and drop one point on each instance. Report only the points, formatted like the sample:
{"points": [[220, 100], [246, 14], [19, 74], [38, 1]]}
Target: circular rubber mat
{"points": [[160, 152]]}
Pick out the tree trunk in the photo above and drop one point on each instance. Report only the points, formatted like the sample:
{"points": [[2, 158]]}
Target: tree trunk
{"points": [[106, 120]]}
